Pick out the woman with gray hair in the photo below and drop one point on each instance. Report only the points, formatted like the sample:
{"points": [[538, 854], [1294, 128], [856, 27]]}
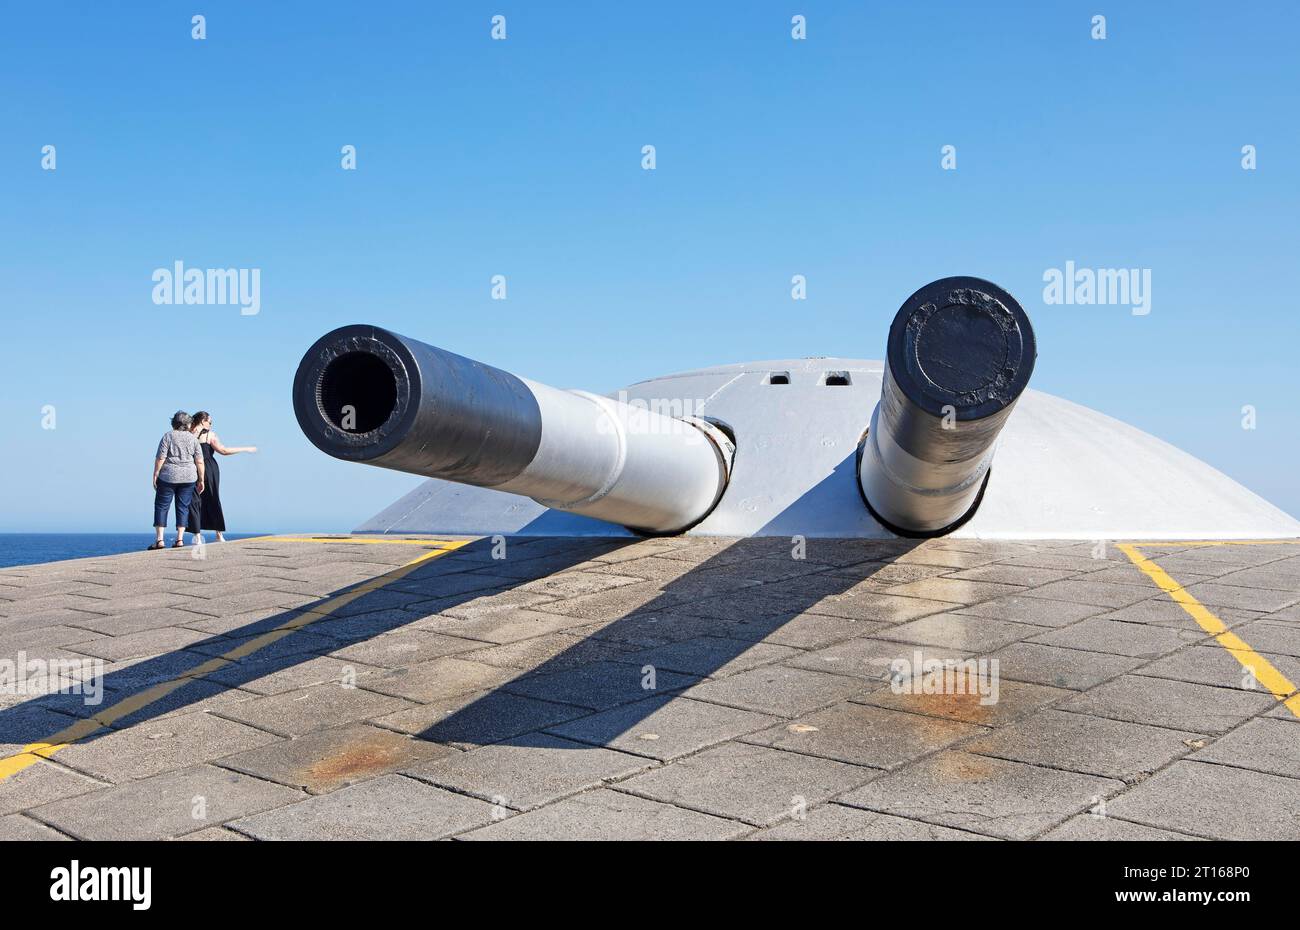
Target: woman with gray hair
{"points": [[177, 475]]}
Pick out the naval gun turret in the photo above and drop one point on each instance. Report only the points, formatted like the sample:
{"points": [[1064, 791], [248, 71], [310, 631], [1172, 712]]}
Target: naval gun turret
{"points": [[960, 352]]}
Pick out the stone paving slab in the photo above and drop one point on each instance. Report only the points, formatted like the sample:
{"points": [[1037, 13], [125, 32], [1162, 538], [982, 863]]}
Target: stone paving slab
{"points": [[659, 688], [710, 656], [75, 603], [947, 557], [134, 621], [609, 815], [874, 575], [473, 606], [994, 796], [43, 783], [192, 696], [156, 746], [599, 685], [1161, 611], [528, 773], [1263, 744], [358, 627], [244, 623], [863, 735], [135, 645], [663, 728], [805, 631], [164, 806], [1019, 575], [1282, 712], [24, 619], [1178, 705], [1104, 829], [1212, 665], [1194, 562], [1076, 669], [1215, 801], [1215, 594], [618, 603], [838, 822], [30, 721], [296, 713], [388, 808], [277, 591], [1268, 636], [281, 633], [1079, 564], [1137, 640], [747, 606], [752, 784], [541, 566], [553, 652], [478, 718], [1096, 593], [45, 637], [325, 760], [779, 690], [213, 834], [263, 676], [1091, 745], [1288, 614], [1032, 610], [497, 626], [1014, 700], [404, 647], [575, 583], [953, 590], [873, 660], [18, 827], [417, 588], [869, 605], [437, 679], [648, 629], [965, 633], [1128, 573]]}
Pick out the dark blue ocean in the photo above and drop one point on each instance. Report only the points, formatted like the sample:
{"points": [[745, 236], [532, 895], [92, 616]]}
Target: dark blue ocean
{"points": [[31, 548]]}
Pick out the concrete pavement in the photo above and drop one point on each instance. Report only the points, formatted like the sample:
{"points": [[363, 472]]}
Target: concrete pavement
{"points": [[666, 688]]}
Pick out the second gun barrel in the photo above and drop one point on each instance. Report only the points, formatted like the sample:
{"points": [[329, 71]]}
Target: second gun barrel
{"points": [[959, 355]]}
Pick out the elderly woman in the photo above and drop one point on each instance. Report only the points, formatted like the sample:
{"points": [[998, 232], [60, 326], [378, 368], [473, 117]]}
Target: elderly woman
{"points": [[206, 514], [177, 474]]}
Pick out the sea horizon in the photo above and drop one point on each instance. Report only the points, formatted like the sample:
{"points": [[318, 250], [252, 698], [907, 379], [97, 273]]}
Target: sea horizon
{"points": [[17, 549]]}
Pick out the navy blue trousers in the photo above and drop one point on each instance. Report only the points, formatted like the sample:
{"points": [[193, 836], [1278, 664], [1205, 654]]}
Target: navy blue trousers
{"points": [[163, 496]]}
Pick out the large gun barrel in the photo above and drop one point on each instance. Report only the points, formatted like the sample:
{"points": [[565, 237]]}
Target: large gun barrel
{"points": [[365, 394], [960, 353]]}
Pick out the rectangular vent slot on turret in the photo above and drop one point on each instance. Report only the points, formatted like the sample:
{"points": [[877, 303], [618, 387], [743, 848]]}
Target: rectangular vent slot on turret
{"points": [[836, 379], [778, 377]]}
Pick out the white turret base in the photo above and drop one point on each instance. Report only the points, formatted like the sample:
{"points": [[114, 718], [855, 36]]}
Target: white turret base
{"points": [[1061, 471]]}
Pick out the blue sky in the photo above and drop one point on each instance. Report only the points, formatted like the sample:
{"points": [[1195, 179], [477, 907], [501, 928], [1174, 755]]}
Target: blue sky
{"points": [[522, 157]]}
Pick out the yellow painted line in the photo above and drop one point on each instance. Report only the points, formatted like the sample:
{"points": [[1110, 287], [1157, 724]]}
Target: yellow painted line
{"points": [[366, 541], [1220, 542], [1264, 671], [29, 754]]}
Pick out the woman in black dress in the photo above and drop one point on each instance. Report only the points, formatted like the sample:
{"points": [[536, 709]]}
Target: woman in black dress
{"points": [[205, 513]]}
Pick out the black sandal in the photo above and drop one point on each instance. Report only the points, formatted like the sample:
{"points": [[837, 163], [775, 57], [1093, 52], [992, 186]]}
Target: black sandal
{"points": [[156, 545], [178, 545]]}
